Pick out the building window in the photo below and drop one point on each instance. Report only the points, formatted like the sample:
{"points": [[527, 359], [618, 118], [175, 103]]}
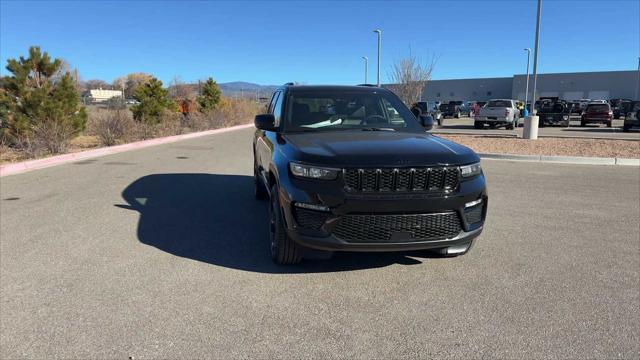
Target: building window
{"points": [[451, 94], [475, 93], [488, 93], [438, 95]]}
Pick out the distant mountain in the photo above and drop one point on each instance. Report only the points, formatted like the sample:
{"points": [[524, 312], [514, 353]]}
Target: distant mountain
{"points": [[246, 89]]}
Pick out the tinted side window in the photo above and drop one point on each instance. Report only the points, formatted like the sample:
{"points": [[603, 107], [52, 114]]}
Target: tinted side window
{"points": [[277, 109]]}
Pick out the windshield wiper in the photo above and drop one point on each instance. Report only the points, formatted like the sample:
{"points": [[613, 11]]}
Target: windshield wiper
{"points": [[377, 129]]}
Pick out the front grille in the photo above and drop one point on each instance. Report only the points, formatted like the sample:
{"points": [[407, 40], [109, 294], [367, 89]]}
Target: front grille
{"points": [[397, 228], [474, 213], [433, 179], [309, 218]]}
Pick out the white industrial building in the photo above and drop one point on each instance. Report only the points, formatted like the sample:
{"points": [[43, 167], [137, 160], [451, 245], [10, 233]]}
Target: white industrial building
{"points": [[568, 86], [99, 95]]}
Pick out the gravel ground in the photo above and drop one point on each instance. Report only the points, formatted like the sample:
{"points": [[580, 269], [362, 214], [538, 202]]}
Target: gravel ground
{"points": [[550, 146]]}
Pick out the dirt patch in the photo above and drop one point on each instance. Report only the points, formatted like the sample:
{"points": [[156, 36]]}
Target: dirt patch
{"points": [[83, 142], [550, 146]]}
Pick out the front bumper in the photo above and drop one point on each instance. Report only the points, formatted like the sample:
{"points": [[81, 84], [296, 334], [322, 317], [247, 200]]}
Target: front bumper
{"points": [[488, 119], [599, 120], [332, 243], [340, 203], [554, 118]]}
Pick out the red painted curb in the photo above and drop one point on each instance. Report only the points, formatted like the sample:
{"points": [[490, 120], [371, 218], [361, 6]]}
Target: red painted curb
{"points": [[21, 167]]}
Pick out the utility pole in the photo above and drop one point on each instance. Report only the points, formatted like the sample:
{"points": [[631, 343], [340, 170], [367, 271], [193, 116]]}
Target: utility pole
{"points": [[379, 32], [526, 91], [531, 122], [638, 82], [366, 68]]}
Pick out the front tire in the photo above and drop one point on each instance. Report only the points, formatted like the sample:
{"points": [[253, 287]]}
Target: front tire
{"points": [[284, 251], [478, 125], [626, 128]]}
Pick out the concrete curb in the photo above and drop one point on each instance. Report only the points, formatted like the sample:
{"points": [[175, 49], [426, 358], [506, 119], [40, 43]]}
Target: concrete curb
{"points": [[22, 167], [563, 159], [627, 162]]}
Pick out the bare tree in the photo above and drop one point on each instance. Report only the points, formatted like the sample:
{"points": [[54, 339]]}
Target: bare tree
{"points": [[409, 76], [64, 68], [96, 84], [178, 89], [130, 82]]}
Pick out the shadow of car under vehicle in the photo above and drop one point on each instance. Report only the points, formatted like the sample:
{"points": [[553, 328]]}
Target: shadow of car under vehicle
{"points": [[216, 219]]}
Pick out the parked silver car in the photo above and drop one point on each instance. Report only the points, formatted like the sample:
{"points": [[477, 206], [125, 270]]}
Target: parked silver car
{"points": [[498, 112]]}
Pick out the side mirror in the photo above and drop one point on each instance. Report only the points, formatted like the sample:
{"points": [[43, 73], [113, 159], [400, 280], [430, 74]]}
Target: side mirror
{"points": [[265, 122], [426, 121]]}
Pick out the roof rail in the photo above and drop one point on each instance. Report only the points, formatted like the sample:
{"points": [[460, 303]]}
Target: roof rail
{"points": [[370, 85], [288, 84]]}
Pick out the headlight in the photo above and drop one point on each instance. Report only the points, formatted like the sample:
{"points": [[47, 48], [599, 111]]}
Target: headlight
{"points": [[470, 170], [313, 172]]}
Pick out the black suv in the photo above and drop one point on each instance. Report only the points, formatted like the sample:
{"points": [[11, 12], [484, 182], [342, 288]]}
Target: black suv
{"points": [[455, 109], [350, 168]]}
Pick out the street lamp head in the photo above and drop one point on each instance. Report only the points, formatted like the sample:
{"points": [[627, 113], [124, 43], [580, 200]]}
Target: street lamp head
{"points": [[377, 31], [366, 58], [527, 49]]}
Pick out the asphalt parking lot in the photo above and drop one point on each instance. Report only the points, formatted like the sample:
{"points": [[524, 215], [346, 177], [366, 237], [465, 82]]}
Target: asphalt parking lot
{"points": [[185, 273], [464, 125]]}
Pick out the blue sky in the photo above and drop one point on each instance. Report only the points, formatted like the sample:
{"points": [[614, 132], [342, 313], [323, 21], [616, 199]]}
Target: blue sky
{"points": [[319, 42]]}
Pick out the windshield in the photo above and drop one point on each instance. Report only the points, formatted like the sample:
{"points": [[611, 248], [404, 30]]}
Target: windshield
{"points": [[344, 110], [499, 103]]}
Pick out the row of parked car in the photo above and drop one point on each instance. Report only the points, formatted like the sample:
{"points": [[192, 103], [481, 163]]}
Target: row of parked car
{"points": [[550, 110]]}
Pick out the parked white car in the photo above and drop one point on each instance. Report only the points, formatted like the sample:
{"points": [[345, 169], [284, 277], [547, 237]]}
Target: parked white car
{"points": [[498, 112]]}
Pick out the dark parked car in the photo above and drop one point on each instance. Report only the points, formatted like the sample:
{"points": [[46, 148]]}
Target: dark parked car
{"points": [[424, 108], [618, 107], [632, 117], [350, 168], [599, 113], [553, 113], [574, 107], [455, 109]]}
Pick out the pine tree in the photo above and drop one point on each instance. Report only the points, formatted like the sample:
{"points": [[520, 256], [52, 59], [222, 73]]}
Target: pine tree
{"points": [[40, 105], [154, 100], [210, 98]]}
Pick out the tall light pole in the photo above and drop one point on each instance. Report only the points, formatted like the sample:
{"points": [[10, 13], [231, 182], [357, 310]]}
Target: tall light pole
{"points": [[531, 122], [526, 91], [366, 68], [379, 32]]}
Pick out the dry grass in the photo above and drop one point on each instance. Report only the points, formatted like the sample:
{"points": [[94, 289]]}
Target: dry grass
{"points": [[107, 127], [550, 146]]}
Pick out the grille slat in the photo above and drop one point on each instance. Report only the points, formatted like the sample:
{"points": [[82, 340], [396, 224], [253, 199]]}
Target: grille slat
{"points": [[433, 179], [397, 228]]}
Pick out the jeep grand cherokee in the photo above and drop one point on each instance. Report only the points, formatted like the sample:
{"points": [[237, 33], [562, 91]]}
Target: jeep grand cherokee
{"points": [[350, 168]]}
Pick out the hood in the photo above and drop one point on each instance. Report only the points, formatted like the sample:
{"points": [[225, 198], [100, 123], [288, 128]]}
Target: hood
{"points": [[377, 149]]}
